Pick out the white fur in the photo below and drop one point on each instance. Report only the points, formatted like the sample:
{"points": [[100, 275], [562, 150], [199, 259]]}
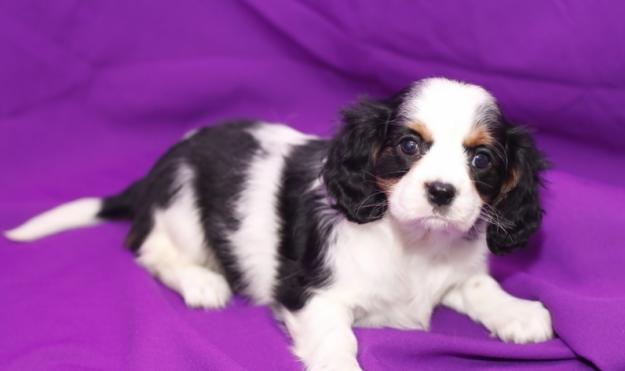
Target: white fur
{"points": [[396, 282], [387, 273], [255, 243], [382, 279], [175, 250], [78, 213], [379, 279], [509, 318], [393, 272], [449, 110], [322, 334], [181, 220]]}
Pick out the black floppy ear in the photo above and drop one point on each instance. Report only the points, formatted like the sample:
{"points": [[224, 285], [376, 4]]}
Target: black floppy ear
{"points": [[518, 204], [348, 171]]}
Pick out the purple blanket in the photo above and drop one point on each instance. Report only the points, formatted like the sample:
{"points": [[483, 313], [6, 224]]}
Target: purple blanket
{"points": [[91, 92]]}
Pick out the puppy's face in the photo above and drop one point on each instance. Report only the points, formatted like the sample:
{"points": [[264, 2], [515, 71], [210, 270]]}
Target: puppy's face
{"points": [[438, 157], [442, 159]]}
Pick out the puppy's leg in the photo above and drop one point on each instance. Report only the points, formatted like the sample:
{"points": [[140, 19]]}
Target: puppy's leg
{"points": [[198, 285], [509, 318], [322, 335]]}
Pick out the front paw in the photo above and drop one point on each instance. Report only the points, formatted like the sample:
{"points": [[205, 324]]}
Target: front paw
{"points": [[521, 321]]}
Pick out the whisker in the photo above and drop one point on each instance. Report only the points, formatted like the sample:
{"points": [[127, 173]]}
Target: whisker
{"points": [[367, 198], [373, 205], [483, 183], [491, 215]]}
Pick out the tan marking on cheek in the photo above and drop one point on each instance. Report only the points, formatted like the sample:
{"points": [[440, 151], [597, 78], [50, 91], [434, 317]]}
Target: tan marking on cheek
{"points": [[386, 185], [422, 130], [506, 187], [512, 181], [485, 198], [479, 136], [508, 184]]}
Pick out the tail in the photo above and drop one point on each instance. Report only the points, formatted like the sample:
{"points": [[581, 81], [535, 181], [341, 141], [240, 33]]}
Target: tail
{"points": [[75, 214]]}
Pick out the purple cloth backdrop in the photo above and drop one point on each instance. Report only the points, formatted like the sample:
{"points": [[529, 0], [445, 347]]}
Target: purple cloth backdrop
{"points": [[91, 92]]}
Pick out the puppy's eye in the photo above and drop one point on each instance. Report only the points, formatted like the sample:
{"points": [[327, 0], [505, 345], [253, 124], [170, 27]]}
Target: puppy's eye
{"points": [[409, 146], [481, 161]]}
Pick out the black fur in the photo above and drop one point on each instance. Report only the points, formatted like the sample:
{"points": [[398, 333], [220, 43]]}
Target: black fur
{"points": [[519, 208], [304, 232], [120, 206], [349, 170], [219, 157], [489, 182], [391, 162], [364, 152]]}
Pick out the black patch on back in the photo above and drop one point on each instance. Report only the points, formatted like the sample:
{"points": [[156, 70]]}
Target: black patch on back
{"points": [[304, 238], [219, 157]]}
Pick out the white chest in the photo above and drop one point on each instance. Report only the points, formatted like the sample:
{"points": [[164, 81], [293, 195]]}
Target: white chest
{"points": [[389, 284]]}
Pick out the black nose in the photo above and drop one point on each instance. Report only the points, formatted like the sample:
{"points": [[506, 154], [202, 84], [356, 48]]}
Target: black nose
{"points": [[439, 193]]}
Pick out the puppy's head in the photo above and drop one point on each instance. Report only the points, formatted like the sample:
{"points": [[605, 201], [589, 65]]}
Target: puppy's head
{"points": [[438, 157]]}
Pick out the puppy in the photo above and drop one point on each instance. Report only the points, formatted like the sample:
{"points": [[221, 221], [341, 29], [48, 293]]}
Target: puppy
{"points": [[375, 227]]}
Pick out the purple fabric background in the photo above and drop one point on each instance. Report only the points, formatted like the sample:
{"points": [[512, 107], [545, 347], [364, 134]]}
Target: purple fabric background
{"points": [[91, 92]]}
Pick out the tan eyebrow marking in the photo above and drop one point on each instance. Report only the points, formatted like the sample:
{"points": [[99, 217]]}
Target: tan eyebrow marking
{"points": [[422, 130], [479, 136]]}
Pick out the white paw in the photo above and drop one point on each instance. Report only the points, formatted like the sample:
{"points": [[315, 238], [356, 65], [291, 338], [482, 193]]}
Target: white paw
{"points": [[521, 321], [202, 288]]}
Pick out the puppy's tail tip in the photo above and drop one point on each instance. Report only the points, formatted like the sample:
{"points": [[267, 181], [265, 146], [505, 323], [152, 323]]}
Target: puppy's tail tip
{"points": [[17, 235], [79, 213]]}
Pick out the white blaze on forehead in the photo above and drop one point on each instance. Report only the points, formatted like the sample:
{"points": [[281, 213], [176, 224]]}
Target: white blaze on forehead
{"points": [[449, 109]]}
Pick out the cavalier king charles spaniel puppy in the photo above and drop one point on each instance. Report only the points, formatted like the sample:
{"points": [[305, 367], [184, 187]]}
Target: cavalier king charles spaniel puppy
{"points": [[375, 227]]}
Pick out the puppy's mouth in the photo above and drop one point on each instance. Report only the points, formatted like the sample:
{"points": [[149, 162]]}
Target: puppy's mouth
{"points": [[434, 219], [442, 220], [436, 222]]}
